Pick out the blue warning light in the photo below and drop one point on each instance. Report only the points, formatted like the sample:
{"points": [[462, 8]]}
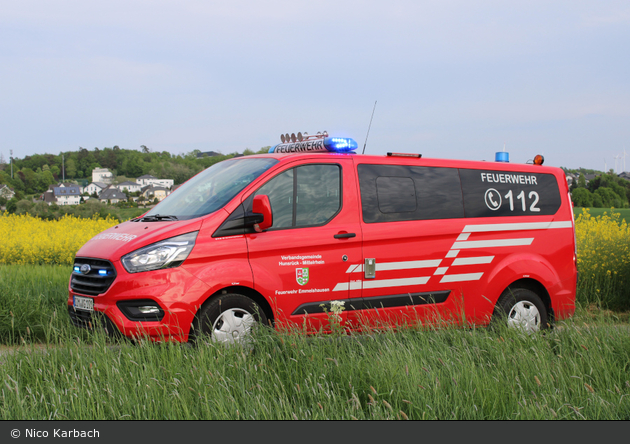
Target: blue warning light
{"points": [[340, 144]]}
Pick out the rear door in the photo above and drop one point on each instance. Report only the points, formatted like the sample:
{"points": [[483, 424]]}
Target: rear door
{"points": [[411, 216]]}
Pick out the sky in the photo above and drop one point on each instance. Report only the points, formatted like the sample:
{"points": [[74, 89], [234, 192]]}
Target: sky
{"points": [[450, 78]]}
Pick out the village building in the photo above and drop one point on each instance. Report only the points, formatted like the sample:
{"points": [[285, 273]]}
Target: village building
{"points": [[6, 192], [112, 195], [102, 175], [147, 179], [95, 187], [63, 194], [131, 187], [152, 192]]}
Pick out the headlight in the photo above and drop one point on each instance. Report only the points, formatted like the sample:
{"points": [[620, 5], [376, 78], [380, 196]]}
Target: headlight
{"points": [[168, 253]]}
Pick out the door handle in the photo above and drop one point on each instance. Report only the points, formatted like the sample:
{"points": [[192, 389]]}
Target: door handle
{"points": [[344, 235]]}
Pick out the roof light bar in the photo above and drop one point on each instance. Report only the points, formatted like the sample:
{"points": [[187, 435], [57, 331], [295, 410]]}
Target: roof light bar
{"points": [[320, 142]]}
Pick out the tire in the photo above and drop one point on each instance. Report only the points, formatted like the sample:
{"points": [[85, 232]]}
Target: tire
{"points": [[521, 309], [229, 319]]}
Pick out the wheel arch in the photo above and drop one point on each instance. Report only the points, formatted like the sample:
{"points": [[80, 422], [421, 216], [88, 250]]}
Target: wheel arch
{"points": [[536, 287], [237, 289]]}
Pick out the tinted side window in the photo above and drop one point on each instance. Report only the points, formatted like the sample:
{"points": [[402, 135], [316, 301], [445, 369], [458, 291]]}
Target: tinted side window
{"points": [[304, 196], [506, 193], [280, 193], [318, 194], [396, 194], [399, 192]]}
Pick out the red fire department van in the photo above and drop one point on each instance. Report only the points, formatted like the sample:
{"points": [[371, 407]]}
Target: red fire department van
{"points": [[276, 238]]}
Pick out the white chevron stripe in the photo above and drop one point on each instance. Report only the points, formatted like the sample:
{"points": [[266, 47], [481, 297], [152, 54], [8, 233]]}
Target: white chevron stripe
{"points": [[461, 277], [389, 266], [516, 226], [493, 243], [473, 260]]}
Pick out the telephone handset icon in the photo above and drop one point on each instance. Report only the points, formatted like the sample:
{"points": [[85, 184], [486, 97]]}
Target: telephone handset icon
{"points": [[493, 199]]}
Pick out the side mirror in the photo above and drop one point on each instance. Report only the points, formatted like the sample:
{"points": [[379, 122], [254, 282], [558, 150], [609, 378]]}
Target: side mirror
{"points": [[262, 206]]}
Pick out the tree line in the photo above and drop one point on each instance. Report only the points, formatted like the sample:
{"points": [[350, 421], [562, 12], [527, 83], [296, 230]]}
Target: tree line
{"points": [[604, 191], [34, 174]]}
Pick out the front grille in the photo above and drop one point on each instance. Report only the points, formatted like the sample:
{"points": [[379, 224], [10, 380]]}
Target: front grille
{"points": [[101, 275]]}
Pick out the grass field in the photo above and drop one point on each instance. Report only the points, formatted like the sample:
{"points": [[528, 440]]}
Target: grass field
{"points": [[579, 370]]}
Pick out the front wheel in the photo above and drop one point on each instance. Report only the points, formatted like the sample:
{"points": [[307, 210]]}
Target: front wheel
{"points": [[229, 319], [521, 309]]}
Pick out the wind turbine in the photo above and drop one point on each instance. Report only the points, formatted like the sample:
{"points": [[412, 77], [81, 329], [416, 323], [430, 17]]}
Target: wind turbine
{"points": [[616, 159]]}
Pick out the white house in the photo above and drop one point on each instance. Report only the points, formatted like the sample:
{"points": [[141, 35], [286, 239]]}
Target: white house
{"points": [[151, 192], [6, 192], [131, 187], [63, 194], [147, 179], [102, 175], [95, 187]]}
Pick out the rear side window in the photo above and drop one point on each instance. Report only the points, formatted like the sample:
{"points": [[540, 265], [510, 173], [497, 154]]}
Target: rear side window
{"points": [[400, 192], [506, 193]]}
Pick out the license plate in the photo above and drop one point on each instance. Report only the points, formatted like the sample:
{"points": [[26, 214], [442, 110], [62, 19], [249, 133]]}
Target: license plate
{"points": [[81, 303]]}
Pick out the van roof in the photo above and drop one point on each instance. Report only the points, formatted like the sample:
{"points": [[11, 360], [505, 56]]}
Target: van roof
{"points": [[419, 161]]}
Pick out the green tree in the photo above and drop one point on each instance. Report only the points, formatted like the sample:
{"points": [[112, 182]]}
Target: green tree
{"points": [[46, 179], [597, 201], [609, 197], [12, 205], [581, 181], [25, 206], [71, 168], [582, 197]]}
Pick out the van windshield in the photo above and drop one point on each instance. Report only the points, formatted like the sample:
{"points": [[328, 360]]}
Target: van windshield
{"points": [[209, 190]]}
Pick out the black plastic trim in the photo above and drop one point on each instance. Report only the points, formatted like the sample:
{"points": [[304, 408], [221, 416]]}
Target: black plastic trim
{"points": [[92, 320], [396, 300], [131, 312]]}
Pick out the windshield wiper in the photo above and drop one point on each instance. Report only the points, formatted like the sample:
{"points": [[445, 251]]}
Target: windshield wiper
{"points": [[156, 218]]}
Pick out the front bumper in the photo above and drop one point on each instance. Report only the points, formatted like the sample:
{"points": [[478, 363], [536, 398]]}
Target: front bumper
{"points": [[176, 292]]}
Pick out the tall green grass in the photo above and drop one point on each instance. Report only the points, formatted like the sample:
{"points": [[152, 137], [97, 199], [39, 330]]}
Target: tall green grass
{"points": [[578, 371], [33, 302]]}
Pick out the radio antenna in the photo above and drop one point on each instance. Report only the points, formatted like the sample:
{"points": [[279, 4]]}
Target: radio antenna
{"points": [[369, 126]]}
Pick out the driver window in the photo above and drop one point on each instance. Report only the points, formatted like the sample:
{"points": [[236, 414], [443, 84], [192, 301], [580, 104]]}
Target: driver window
{"points": [[304, 196]]}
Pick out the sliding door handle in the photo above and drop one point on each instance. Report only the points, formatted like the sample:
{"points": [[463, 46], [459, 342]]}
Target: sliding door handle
{"points": [[344, 235]]}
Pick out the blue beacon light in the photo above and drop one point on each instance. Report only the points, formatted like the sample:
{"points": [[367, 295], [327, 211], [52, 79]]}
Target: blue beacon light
{"points": [[340, 144]]}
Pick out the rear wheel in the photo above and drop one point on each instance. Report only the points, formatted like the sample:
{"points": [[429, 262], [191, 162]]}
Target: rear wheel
{"points": [[521, 309], [229, 319]]}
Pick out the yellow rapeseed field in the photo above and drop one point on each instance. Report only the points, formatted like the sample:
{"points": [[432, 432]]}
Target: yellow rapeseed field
{"points": [[603, 245], [25, 239]]}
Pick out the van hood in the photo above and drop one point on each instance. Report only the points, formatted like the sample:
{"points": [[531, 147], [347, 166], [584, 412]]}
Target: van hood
{"points": [[126, 237]]}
